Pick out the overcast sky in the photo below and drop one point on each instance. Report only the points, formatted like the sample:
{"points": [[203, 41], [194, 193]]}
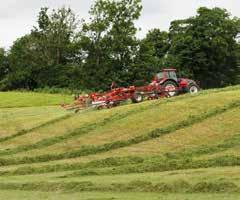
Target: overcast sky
{"points": [[17, 17]]}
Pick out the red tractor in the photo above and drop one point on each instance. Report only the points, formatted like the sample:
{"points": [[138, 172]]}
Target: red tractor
{"points": [[168, 79], [165, 84]]}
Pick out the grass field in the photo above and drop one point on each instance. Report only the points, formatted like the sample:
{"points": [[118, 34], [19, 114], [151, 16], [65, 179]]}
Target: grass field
{"points": [[30, 99], [185, 147]]}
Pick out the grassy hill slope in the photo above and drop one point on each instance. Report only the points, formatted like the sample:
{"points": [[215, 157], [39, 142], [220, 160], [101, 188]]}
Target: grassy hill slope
{"points": [[186, 146]]}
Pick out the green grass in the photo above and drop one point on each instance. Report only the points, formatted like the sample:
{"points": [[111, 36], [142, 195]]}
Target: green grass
{"points": [[16, 120], [180, 148], [26, 195], [84, 151], [221, 180], [28, 99], [122, 127]]}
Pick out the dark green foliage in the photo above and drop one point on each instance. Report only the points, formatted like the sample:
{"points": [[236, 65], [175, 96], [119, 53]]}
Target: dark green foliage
{"points": [[3, 65], [150, 57], [205, 47], [238, 56], [43, 57], [109, 42]]}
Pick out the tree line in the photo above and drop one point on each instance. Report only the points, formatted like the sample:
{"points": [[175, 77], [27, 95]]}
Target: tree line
{"points": [[63, 51]]}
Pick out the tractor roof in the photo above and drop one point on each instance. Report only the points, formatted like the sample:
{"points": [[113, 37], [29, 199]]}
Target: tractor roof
{"points": [[170, 69]]}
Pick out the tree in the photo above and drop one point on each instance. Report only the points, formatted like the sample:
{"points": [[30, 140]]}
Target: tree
{"points": [[3, 63], [160, 42], [44, 57], [238, 55], [205, 46], [150, 57], [23, 64], [109, 42], [55, 35]]}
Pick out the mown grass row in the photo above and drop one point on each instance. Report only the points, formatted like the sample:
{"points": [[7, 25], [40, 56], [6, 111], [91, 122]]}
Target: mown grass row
{"points": [[127, 165], [157, 165], [179, 186], [108, 162], [90, 150]]}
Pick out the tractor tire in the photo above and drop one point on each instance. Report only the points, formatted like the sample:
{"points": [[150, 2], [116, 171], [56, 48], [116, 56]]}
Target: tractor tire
{"points": [[173, 88], [193, 88], [137, 98]]}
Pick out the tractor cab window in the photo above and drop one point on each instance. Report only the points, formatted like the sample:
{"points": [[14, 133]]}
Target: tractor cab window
{"points": [[160, 75], [172, 75]]}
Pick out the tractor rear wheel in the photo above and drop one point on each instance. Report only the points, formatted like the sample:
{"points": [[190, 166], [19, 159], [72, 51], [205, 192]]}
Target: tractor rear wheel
{"points": [[171, 88], [137, 98]]}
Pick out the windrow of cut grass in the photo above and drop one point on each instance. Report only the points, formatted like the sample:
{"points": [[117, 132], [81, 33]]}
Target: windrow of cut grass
{"points": [[135, 186], [119, 144], [132, 125], [148, 182], [103, 163]]}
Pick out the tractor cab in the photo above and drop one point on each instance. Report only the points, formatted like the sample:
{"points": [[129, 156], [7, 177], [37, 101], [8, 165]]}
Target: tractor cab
{"points": [[168, 79], [166, 74]]}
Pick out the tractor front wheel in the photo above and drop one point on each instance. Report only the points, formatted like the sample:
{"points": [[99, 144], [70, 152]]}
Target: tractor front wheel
{"points": [[171, 88], [137, 98]]}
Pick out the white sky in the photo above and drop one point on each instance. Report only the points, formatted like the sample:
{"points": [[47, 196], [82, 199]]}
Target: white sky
{"points": [[17, 17]]}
